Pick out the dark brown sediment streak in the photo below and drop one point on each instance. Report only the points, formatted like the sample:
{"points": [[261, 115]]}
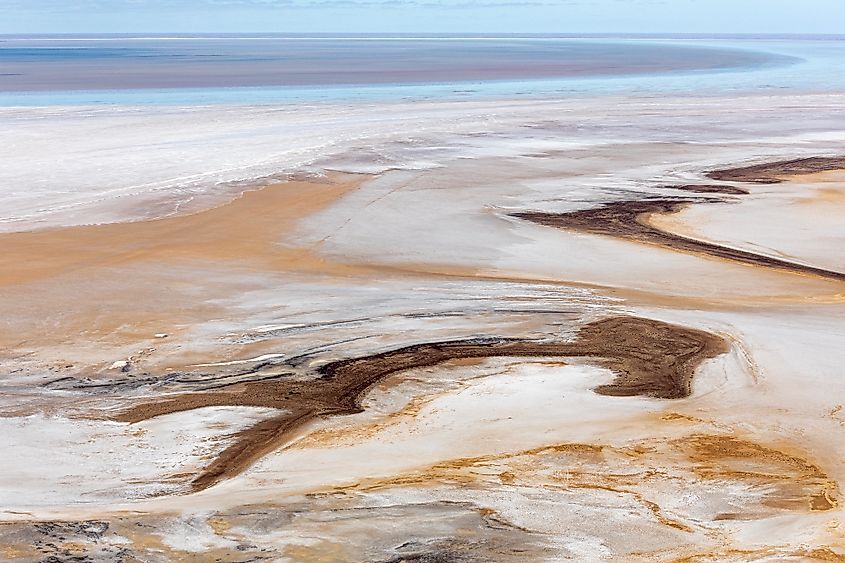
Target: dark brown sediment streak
{"points": [[251, 445], [776, 172], [627, 220], [650, 358], [709, 189]]}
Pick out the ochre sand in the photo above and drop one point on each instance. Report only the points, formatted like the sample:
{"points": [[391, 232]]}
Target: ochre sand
{"points": [[67, 286], [250, 229], [254, 235], [614, 340], [121, 283]]}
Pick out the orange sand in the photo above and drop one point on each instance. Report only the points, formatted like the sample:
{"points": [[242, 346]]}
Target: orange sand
{"points": [[113, 284]]}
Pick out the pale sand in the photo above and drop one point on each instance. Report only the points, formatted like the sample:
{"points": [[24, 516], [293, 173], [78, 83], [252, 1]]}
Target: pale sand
{"points": [[774, 220]]}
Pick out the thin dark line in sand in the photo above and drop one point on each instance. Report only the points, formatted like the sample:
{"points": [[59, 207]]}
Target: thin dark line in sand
{"points": [[777, 172], [627, 220], [709, 189], [650, 358]]}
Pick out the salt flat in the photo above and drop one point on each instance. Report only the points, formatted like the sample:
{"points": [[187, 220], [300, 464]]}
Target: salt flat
{"points": [[367, 230]]}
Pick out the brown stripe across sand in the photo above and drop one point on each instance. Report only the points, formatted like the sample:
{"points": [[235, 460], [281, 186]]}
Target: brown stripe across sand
{"points": [[649, 357], [710, 189], [628, 220], [777, 172]]}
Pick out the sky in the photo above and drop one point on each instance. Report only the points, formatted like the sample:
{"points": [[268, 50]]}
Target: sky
{"points": [[410, 16]]}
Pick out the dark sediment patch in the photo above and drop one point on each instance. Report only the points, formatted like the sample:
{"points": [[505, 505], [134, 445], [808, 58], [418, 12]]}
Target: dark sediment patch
{"points": [[709, 189], [650, 358], [628, 220], [776, 172]]}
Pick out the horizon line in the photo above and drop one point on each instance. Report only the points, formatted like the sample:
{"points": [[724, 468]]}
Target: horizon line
{"points": [[421, 34]]}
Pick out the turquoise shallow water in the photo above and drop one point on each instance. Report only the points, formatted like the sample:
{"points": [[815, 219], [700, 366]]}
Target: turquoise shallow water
{"points": [[203, 71]]}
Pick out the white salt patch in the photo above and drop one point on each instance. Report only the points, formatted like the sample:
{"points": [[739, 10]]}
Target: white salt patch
{"points": [[247, 361], [76, 165], [271, 328], [66, 461], [529, 405], [194, 535]]}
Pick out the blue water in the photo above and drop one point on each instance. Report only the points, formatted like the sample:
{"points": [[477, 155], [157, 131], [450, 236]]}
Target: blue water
{"points": [[256, 70]]}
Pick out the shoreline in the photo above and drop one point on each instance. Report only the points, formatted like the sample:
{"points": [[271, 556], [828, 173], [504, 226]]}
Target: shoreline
{"points": [[196, 158]]}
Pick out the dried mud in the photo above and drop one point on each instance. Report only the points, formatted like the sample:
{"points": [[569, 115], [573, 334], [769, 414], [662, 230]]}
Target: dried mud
{"points": [[649, 358], [709, 189], [628, 220], [777, 172]]}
